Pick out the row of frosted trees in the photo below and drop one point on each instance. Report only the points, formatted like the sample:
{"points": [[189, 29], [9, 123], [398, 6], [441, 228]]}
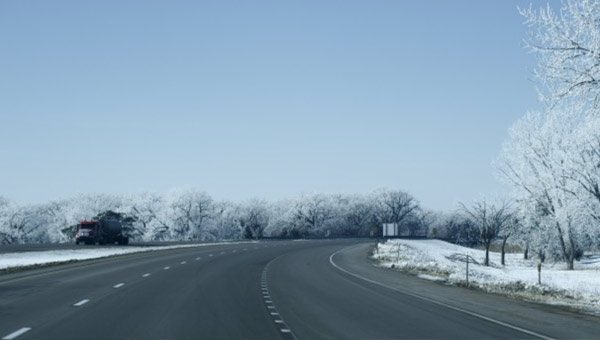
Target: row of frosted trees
{"points": [[195, 215], [551, 160]]}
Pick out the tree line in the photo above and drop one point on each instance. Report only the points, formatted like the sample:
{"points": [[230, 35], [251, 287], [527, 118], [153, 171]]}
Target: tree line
{"points": [[194, 215]]}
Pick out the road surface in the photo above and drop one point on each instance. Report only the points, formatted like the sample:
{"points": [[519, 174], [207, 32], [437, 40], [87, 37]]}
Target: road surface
{"points": [[266, 290]]}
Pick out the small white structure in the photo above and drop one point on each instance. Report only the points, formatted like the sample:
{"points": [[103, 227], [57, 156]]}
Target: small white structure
{"points": [[390, 229]]}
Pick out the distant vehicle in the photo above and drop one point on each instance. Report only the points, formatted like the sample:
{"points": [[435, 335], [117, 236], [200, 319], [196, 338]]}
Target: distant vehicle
{"points": [[100, 232]]}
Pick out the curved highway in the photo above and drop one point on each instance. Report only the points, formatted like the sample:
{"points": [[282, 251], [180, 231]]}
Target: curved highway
{"points": [[265, 290]]}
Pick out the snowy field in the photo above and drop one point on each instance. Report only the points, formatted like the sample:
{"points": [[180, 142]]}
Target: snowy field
{"points": [[441, 261], [32, 258]]}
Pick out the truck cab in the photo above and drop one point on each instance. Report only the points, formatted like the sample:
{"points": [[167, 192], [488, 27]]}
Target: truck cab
{"points": [[87, 232]]}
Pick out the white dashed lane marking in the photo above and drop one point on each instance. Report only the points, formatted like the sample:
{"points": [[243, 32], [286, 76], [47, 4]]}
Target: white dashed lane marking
{"points": [[15, 334], [146, 275], [119, 285], [183, 262], [198, 258], [210, 255], [167, 268], [81, 303], [283, 327]]}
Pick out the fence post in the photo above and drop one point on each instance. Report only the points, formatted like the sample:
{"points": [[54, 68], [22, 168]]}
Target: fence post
{"points": [[539, 268]]}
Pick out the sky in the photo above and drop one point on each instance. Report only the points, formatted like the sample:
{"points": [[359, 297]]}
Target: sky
{"points": [[264, 99]]}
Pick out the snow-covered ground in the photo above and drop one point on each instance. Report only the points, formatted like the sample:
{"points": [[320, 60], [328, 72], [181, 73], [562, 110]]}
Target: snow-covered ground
{"points": [[32, 258], [439, 260]]}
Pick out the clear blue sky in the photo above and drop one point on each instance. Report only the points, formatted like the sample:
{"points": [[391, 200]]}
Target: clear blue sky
{"points": [[267, 99]]}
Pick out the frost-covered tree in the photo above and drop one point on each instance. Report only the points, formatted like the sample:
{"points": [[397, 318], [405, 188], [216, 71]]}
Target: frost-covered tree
{"points": [[150, 212], [6, 212], [458, 229], [310, 213], [490, 219], [226, 220], [254, 218], [540, 160], [418, 222], [191, 215], [567, 43], [584, 164], [394, 206], [22, 224], [551, 158], [359, 217], [511, 227]]}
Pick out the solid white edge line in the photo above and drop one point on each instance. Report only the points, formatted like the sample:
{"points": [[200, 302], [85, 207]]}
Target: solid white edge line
{"points": [[17, 333], [119, 285], [81, 303], [439, 303]]}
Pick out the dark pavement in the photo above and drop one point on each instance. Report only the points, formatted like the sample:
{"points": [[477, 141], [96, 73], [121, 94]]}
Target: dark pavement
{"points": [[266, 290]]}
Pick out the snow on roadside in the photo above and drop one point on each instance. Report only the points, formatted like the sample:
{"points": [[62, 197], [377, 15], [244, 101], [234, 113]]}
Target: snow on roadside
{"points": [[441, 261], [33, 258]]}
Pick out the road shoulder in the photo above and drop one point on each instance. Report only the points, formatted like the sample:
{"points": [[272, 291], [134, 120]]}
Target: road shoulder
{"points": [[553, 321]]}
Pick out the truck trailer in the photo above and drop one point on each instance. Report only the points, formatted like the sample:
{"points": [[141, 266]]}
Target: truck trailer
{"points": [[100, 232]]}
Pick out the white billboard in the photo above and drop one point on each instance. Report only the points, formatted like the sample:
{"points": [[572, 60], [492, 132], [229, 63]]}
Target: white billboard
{"points": [[390, 229]]}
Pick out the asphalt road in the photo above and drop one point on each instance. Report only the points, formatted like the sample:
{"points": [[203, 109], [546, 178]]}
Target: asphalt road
{"points": [[267, 290]]}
